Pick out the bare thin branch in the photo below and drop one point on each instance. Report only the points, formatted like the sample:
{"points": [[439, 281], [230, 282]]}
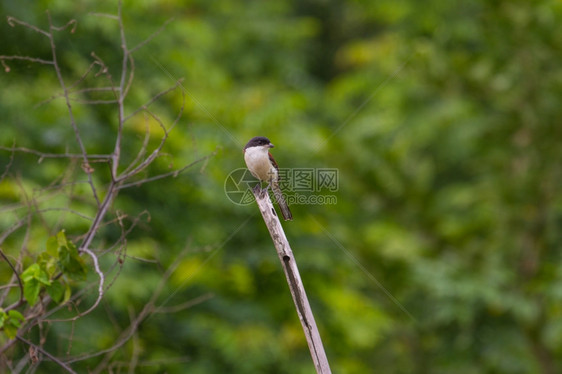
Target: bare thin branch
{"points": [[69, 105], [27, 58], [8, 165], [53, 358], [103, 70], [149, 39], [100, 289], [188, 304], [72, 23], [142, 151], [154, 98], [174, 173], [104, 15], [94, 102], [16, 274], [43, 155], [155, 153], [147, 310], [13, 21]]}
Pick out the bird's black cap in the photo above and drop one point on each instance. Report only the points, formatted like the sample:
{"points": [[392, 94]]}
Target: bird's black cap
{"points": [[257, 141]]}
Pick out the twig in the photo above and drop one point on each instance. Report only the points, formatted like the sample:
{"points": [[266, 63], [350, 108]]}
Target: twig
{"points": [[147, 310], [294, 280], [152, 36], [100, 289], [186, 305], [174, 173], [20, 301], [43, 155], [13, 21], [154, 98], [53, 358], [67, 99]]}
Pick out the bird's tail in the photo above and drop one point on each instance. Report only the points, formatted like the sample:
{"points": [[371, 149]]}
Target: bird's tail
{"points": [[285, 211]]}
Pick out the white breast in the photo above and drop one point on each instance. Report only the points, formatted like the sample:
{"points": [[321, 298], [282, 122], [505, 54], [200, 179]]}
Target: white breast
{"points": [[257, 160]]}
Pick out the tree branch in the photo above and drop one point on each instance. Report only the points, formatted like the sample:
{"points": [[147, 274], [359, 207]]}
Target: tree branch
{"points": [[294, 281], [53, 358]]}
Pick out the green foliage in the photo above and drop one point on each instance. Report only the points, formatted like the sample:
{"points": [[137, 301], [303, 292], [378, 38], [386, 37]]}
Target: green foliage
{"points": [[59, 262], [10, 322], [32, 279]]}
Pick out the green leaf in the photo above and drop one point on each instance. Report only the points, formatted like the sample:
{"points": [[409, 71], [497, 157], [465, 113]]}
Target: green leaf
{"points": [[15, 315], [42, 277], [52, 246], [56, 290], [70, 261], [30, 273], [61, 239], [31, 290], [12, 323], [34, 271], [48, 263], [67, 293], [3, 316], [10, 331]]}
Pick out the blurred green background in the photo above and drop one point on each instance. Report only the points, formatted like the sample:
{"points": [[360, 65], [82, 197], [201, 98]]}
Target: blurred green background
{"points": [[441, 117]]}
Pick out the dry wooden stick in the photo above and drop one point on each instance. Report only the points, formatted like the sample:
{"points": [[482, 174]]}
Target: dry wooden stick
{"points": [[294, 280]]}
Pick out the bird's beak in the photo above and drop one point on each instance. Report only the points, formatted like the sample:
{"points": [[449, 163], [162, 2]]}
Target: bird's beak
{"points": [[270, 145]]}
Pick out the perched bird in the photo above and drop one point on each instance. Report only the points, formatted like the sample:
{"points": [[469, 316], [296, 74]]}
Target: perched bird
{"points": [[262, 165]]}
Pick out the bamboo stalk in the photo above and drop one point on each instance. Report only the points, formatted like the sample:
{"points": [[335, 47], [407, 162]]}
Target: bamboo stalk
{"points": [[296, 286]]}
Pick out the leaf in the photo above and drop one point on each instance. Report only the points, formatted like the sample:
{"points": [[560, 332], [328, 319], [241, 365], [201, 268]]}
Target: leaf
{"points": [[67, 293], [70, 261], [56, 290], [30, 272], [31, 290], [13, 323], [42, 277], [48, 263], [15, 315], [34, 271], [10, 331], [52, 246]]}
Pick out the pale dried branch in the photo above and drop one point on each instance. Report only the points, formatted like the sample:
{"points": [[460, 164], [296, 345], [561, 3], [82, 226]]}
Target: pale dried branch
{"points": [[50, 356], [105, 15], [155, 98], [12, 229], [43, 155], [7, 69], [188, 304], [72, 23], [68, 103], [147, 310], [100, 289], [152, 36], [142, 151], [99, 216], [16, 274], [103, 70], [155, 153], [94, 102], [136, 351], [173, 173], [12, 21], [289, 264]]}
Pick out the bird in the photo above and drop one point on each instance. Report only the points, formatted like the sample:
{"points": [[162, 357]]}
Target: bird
{"points": [[262, 165]]}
